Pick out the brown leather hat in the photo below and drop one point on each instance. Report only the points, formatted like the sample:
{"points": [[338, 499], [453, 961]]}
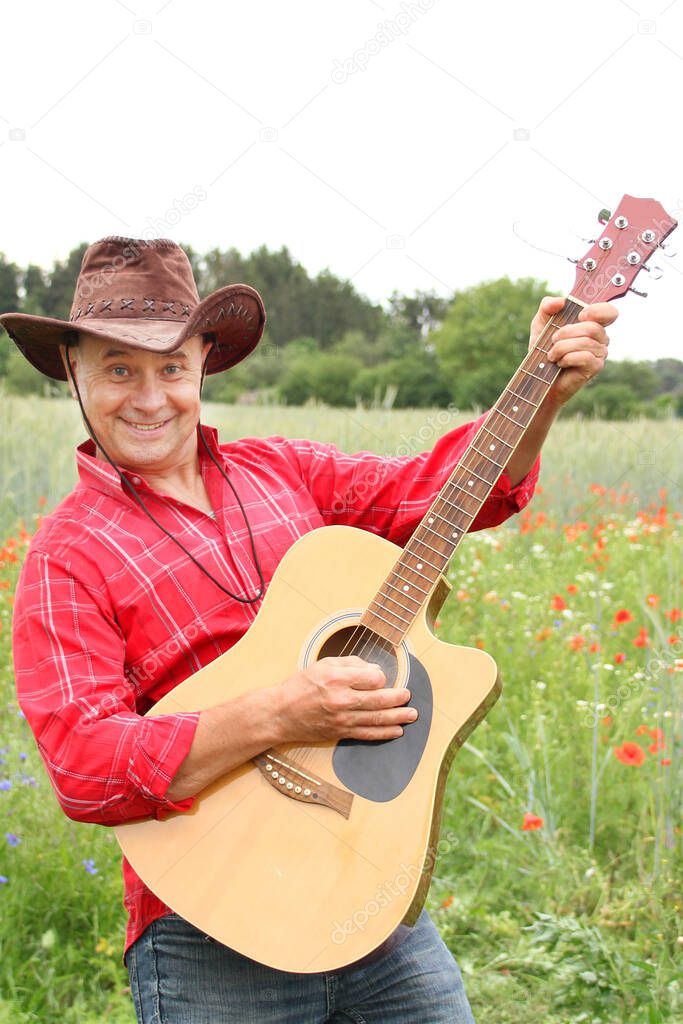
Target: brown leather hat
{"points": [[142, 292]]}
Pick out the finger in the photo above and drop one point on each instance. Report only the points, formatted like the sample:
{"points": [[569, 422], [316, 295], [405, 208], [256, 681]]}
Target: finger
{"points": [[590, 329], [378, 700], [588, 363], [563, 348], [381, 719], [604, 313], [365, 733]]}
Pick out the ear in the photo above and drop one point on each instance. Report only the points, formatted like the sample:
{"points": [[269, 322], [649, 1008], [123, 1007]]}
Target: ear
{"points": [[64, 353], [207, 345]]}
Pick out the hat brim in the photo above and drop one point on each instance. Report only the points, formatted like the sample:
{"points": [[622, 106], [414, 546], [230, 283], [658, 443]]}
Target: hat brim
{"points": [[234, 317]]}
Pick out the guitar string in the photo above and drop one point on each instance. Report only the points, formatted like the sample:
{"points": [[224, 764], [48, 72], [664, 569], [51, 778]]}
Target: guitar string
{"points": [[363, 639]]}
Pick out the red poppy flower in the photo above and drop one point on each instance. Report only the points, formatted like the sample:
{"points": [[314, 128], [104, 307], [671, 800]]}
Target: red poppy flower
{"points": [[558, 603], [665, 761], [619, 658], [577, 642], [642, 730], [655, 747], [623, 615], [630, 753], [674, 614], [447, 902], [674, 638], [594, 648], [656, 733], [572, 588], [653, 600], [531, 822], [642, 639]]}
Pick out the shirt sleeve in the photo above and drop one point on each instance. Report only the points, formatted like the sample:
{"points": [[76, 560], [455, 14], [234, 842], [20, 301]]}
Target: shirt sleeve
{"points": [[107, 764], [390, 495]]}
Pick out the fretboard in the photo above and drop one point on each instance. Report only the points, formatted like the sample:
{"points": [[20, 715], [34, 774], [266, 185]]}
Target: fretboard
{"points": [[425, 558]]}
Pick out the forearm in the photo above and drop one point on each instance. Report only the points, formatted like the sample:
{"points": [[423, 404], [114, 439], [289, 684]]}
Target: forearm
{"points": [[226, 737], [523, 458]]}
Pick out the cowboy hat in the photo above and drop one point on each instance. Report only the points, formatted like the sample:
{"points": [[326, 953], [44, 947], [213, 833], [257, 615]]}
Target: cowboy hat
{"points": [[143, 293]]}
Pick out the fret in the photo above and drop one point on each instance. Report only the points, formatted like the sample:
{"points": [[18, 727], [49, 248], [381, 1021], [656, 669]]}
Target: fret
{"points": [[452, 483], [389, 612], [443, 519], [425, 561], [483, 478], [386, 597], [402, 592], [471, 494], [485, 456], [522, 426], [436, 551], [532, 374], [522, 398], [417, 573], [502, 441]]}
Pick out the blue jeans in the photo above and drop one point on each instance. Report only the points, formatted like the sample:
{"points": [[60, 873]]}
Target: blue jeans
{"points": [[180, 976]]}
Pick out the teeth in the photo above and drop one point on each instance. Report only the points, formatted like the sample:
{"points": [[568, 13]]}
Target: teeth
{"points": [[147, 426]]}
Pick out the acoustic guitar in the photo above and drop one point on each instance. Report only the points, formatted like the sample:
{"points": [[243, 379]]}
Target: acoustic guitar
{"points": [[307, 858]]}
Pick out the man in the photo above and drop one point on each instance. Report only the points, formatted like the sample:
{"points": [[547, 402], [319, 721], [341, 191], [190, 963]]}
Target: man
{"points": [[156, 563]]}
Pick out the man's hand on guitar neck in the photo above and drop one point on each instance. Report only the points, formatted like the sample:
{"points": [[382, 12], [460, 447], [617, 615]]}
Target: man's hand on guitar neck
{"points": [[335, 698], [581, 350]]}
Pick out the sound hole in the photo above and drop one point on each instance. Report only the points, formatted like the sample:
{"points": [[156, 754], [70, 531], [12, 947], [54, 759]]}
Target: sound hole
{"points": [[364, 643]]}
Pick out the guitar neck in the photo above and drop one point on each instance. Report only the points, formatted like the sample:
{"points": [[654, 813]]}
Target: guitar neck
{"points": [[425, 558]]}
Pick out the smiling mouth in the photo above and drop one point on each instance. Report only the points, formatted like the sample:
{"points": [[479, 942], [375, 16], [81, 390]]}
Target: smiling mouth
{"points": [[142, 427]]}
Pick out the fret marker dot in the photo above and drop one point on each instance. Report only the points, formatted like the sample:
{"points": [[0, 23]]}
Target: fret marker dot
{"points": [[406, 587], [491, 447], [470, 482], [515, 408], [431, 519], [454, 535], [419, 565], [541, 365]]}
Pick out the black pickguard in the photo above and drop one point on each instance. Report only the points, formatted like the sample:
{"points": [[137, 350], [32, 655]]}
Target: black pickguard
{"points": [[381, 769]]}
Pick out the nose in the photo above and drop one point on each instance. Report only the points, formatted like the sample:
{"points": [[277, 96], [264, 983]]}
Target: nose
{"points": [[149, 396]]}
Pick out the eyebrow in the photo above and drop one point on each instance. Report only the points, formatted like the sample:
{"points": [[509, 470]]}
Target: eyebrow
{"points": [[112, 352]]}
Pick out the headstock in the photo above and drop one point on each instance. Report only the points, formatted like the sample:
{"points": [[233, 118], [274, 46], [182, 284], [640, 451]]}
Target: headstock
{"points": [[631, 234]]}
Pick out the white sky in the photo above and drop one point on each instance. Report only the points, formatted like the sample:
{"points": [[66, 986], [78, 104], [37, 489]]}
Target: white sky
{"points": [[379, 139]]}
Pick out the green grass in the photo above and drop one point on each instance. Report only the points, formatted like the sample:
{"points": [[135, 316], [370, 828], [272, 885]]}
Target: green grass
{"points": [[580, 920]]}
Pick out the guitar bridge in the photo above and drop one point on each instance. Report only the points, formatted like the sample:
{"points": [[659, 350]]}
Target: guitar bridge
{"points": [[292, 780]]}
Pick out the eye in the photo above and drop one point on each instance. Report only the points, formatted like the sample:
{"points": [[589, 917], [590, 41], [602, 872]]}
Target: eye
{"points": [[172, 369], [119, 371]]}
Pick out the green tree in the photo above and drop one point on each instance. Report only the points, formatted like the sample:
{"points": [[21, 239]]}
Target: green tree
{"points": [[605, 401], [484, 337]]}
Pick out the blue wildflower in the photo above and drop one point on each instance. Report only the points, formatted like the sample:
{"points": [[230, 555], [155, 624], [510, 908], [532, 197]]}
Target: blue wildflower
{"points": [[89, 866], [5, 784], [4, 879], [12, 839]]}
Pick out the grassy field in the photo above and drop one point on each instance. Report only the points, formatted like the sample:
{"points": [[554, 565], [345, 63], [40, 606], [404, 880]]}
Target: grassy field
{"points": [[558, 885]]}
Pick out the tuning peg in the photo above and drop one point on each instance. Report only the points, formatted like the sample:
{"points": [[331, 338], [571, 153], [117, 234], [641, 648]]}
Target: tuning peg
{"points": [[643, 295], [654, 272], [604, 216], [667, 250]]}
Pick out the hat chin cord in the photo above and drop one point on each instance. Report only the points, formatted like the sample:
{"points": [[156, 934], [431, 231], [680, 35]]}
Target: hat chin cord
{"points": [[128, 486]]}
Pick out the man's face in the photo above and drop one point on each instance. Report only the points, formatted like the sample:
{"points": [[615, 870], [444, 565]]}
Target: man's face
{"points": [[143, 407]]}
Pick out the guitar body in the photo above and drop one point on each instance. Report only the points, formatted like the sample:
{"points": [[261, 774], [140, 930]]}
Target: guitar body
{"points": [[294, 884]]}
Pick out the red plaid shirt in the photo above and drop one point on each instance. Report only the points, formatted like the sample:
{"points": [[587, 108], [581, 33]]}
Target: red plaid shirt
{"points": [[110, 614]]}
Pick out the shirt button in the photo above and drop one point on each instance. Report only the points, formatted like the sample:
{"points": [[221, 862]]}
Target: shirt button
{"points": [[135, 480]]}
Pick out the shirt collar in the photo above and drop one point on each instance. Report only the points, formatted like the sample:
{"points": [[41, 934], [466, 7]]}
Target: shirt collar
{"points": [[97, 473]]}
